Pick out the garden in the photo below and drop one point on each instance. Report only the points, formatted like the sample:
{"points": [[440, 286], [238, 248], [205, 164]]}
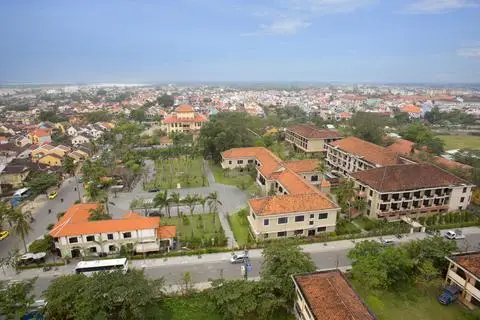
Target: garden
{"points": [[198, 231], [451, 220], [186, 172], [244, 179], [381, 227], [240, 227]]}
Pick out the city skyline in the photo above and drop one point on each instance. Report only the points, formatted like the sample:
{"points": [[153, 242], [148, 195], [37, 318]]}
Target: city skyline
{"points": [[364, 41]]}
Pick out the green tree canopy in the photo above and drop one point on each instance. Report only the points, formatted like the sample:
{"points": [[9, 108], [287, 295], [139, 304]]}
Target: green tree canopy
{"points": [[16, 299], [40, 182], [103, 296], [423, 136], [368, 126], [227, 130], [282, 259]]}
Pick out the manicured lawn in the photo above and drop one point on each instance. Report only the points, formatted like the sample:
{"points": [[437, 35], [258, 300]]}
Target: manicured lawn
{"points": [[196, 306], [344, 227], [197, 230], [381, 227], [171, 172], [412, 304], [239, 225], [231, 177], [459, 142]]}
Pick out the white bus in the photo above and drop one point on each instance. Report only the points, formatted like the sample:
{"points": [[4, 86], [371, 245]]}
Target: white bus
{"points": [[108, 265]]}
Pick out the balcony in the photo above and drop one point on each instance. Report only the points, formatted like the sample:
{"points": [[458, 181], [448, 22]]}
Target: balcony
{"points": [[456, 278]]}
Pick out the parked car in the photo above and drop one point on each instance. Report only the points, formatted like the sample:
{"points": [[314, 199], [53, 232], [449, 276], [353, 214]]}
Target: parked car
{"points": [[238, 258], [52, 195], [387, 241], [3, 234], [154, 190], [454, 235], [449, 294]]}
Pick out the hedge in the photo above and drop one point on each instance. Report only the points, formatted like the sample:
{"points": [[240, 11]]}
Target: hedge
{"points": [[41, 265]]}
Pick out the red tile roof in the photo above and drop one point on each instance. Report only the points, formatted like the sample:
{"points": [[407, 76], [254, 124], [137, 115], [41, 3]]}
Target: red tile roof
{"points": [[410, 108], [407, 177], [469, 261], [75, 222], [401, 146], [330, 297], [41, 133], [273, 168], [298, 166], [312, 132], [167, 232], [174, 119], [371, 152], [291, 204], [451, 164], [184, 108]]}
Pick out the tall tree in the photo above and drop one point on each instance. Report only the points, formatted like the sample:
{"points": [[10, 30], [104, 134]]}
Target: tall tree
{"points": [[16, 299], [281, 259], [120, 296], [20, 224], [213, 201], [368, 126], [68, 166], [191, 202], [346, 193], [175, 198], [161, 201]]}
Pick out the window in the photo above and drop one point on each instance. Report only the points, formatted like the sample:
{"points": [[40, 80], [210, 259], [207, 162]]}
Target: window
{"points": [[299, 218], [460, 208], [90, 238], [282, 220], [371, 193], [110, 236], [265, 236], [250, 161], [314, 178], [312, 216], [322, 215], [239, 161], [298, 232], [112, 248], [462, 199], [321, 229], [311, 222], [281, 234], [266, 222], [92, 249], [230, 162], [127, 235], [73, 240], [254, 216], [464, 190]]}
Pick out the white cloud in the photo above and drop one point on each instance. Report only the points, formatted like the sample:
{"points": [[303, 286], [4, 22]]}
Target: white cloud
{"points": [[440, 6], [287, 17], [469, 52]]}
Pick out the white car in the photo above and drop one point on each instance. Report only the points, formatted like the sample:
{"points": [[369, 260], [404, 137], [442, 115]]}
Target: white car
{"points": [[387, 241], [238, 258]]}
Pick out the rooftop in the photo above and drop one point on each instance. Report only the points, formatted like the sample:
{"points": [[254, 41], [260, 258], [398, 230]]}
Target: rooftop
{"points": [[401, 146], [282, 204], [407, 177], [173, 118], [312, 132], [469, 261], [329, 296], [75, 222], [184, 108], [371, 152]]}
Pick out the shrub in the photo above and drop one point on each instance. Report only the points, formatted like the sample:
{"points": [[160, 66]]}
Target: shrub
{"points": [[50, 226], [77, 202], [41, 245], [60, 214], [185, 220]]}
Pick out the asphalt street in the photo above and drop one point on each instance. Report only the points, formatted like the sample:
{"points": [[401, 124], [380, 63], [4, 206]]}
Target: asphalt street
{"points": [[42, 216], [205, 271]]}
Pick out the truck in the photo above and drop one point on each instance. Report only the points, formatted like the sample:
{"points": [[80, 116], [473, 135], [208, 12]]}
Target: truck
{"points": [[449, 294], [454, 235]]}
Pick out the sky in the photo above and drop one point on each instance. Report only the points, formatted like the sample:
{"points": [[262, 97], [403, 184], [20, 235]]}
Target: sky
{"points": [[147, 41]]}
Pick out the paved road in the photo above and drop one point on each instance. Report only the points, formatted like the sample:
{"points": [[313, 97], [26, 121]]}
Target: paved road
{"points": [[42, 217], [215, 266]]}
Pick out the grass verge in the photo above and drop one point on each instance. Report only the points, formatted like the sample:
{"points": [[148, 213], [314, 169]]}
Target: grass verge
{"points": [[239, 224], [459, 142]]}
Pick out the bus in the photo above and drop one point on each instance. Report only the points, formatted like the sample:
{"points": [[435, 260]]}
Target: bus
{"points": [[108, 265]]}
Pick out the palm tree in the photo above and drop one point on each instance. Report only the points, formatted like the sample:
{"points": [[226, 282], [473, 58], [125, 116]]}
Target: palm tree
{"points": [[191, 201], [98, 214], [161, 201], [345, 194], [213, 201], [68, 166], [175, 198], [203, 202], [20, 224]]}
